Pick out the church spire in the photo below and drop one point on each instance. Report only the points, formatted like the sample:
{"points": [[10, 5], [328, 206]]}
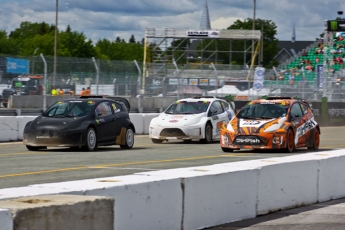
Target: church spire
{"points": [[293, 38], [205, 18]]}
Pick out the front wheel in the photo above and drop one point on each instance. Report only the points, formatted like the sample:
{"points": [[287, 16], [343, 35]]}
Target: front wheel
{"points": [[129, 139], [290, 145], [316, 141], [208, 134], [91, 140]]}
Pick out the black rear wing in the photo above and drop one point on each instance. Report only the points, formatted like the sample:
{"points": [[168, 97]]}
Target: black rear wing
{"points": [[122, 100]]}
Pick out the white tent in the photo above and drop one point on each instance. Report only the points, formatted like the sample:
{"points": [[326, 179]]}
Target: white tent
{"points": [[234, 91]]}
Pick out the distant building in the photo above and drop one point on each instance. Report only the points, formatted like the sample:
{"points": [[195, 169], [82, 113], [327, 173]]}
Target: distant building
{"points": [[289, 49], [205, 23]]}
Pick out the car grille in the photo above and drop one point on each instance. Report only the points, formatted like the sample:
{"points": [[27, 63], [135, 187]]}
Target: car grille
{"points": [[172, 132]]}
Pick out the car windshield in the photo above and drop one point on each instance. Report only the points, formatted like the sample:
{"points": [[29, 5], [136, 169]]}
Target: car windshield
{"points": [[69, 109], [263, 111], [188, 107]]}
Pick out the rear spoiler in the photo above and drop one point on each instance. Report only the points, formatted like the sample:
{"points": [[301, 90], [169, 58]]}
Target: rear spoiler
{"points": [[122, 100]]}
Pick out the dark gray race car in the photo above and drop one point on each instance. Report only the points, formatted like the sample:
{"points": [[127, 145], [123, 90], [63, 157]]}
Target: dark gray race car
{"points": [[87, 122]]}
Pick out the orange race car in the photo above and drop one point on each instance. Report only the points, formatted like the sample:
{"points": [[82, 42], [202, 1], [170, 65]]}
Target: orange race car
{"points": [[272, 123]]}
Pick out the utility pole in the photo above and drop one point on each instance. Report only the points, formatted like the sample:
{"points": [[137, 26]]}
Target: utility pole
{"points": [[56, 40]]}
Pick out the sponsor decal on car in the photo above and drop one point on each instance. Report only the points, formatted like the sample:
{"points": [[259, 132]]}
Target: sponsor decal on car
{"points": [[253, 123], [176, 117], [247, 140], [173, 121], [215, 118], [310, 124]]}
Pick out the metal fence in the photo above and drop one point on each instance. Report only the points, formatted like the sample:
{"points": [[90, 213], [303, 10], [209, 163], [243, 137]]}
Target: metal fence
{"points": [[129, 78]]}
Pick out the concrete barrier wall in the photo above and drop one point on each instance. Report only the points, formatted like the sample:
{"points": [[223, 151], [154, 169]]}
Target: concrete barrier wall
{"points": [[204, 196], [12, 128], [61, 212], [6, 220]]}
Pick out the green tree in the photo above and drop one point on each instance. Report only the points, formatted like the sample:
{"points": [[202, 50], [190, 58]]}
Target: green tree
{"points": [[75, 44], [131, 39], [270, 42], [7, 46], [239, 47], [179, 50]]}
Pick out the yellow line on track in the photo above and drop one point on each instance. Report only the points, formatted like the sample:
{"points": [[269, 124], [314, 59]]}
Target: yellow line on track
{"points": [[113, 165]]}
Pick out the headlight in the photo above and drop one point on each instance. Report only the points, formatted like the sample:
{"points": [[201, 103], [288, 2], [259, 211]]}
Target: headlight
{"points": [[230, 128]]}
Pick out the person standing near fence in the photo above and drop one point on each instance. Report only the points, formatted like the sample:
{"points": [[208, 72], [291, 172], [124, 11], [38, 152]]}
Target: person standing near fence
{"points": [[61, 92], [54, 92], [87, 91], [82, 93]]}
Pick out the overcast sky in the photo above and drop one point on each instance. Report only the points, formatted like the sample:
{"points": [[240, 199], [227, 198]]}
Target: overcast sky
{"points": [[99, 19]]}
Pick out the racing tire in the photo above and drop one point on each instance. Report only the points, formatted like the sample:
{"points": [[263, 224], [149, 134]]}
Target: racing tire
{"points": [[208, 134], [227, 150], [316, 141], [91, 140], [35, 148], [156, 141], [290, 145], [129, 142]]}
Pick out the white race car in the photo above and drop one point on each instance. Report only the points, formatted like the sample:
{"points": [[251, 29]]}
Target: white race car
{"points": [[192, 118]]}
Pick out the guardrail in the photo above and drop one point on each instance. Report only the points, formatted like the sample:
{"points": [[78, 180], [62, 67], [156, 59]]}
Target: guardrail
{"points": [[185, 198], [12, 127]]}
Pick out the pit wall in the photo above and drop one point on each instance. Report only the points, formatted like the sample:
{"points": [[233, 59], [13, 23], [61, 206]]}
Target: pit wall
{"points": [[12, 127], [326, 113], [204, 196]]}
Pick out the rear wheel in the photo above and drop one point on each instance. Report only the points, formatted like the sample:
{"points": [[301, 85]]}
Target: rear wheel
{"points": [[91, 140], [316, 141], [129, 139], [208, 134], [290, 145], [156, 141], [227, 150]]}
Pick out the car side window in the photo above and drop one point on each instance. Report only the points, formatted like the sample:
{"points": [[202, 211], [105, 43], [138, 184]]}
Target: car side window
{"points": [[296, 110], [103, 109], [225, 105], [216, 108], [304, 108]]}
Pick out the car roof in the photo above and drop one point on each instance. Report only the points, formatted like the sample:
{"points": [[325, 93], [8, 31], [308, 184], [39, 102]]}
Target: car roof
{"points": [[98, 98], [278, 100], [199, 98]]}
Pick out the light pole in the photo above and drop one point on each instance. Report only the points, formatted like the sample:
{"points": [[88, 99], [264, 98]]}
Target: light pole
{"points": [[33, 64], [56, 40]]}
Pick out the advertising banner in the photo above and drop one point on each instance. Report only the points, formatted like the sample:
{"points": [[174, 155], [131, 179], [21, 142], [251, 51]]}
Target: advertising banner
{"points": [[335, 25], [259, 78], [18, 66], [204, 33]]}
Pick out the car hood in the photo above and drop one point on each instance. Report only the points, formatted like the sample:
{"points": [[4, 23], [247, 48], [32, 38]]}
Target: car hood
{"points": [[178, 120], [53, 123], [249, 126]]}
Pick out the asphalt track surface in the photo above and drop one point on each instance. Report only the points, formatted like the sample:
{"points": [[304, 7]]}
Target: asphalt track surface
{"points": [[20, 167]]}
